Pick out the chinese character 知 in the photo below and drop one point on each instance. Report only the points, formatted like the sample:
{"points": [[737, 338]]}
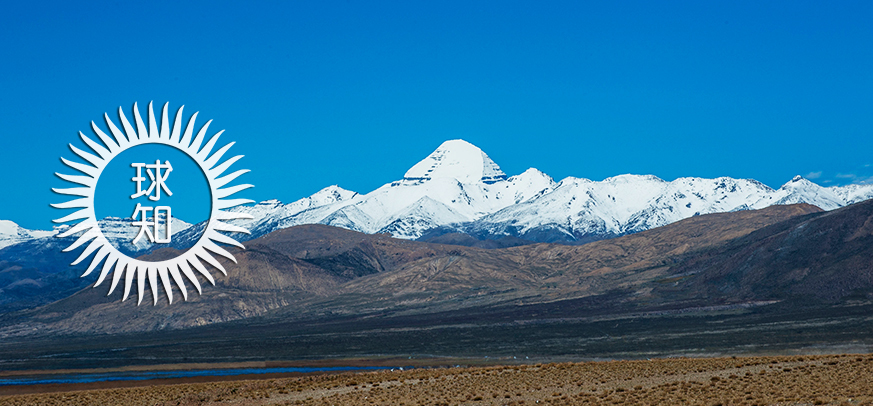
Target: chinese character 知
{"points": [[154, 235]]}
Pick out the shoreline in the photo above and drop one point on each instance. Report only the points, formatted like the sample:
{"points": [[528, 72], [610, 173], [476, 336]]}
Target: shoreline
{"points": [[355, 365], [800, 379]]}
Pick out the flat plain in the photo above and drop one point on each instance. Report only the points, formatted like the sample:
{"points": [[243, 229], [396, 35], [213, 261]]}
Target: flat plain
{"points": [[843, 379]]}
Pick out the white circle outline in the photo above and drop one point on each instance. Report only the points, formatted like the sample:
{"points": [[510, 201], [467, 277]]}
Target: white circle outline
{"points": [[206, 245]]}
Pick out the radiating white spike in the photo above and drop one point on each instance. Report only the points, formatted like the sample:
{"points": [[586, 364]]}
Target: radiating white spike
{"points": [[207, 149], [83, 202], [81, 226], [222, 226], [202, 269], [177, 125], [120, 270], [218, 250], [141, 272], [140, 125], [105, 138], [82, 180], [218, 237], [81, 214], [153, 124], [119, 136], [86, 169], [165, 124], [186, 139], [190, 275], [232, 215], [195, 146], [222, 193], [103, 152], [128, 279], [226, 204], [76, 191], [174, 272], [128, 129], [165, 280], [219, 182], [107, 266], [209, 259], [213, 160], [101, 253], [85, 237], [93, 246], [218, 170], [93, 160]]}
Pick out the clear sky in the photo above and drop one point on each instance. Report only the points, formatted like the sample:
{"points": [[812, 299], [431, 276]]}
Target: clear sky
{"points": [[354, 93]]}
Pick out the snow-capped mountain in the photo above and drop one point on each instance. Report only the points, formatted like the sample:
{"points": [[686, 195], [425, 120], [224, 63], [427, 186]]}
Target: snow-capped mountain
{"points": [[581, 209], [458, 188], [800, 190], [119, 231], [11, 233], [457, 183]]}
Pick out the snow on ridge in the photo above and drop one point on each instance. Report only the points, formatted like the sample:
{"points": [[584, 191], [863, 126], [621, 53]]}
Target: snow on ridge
{"points": [[119, 231], [632, 203], [459, 187], [854, 193], [11, 233]]}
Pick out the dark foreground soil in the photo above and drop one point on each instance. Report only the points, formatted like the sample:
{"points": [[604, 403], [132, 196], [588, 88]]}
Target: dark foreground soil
{"points": [[790, 380]]}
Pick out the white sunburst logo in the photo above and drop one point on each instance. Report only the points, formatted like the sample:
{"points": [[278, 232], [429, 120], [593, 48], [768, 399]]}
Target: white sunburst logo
{"points": [[132, 268]]}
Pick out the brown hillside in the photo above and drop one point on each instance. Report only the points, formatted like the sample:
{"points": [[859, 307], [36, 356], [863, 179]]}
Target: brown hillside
{"points": [[317, 271]]}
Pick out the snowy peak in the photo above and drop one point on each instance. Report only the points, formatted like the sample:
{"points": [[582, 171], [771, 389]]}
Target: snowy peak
{"points": [[632, 179], [10, 229], [534, 177], [11, 233], [270, 203], [799, 182], [529, 184], [456, 159], [800, 190], [534, 173], [331, 194]]}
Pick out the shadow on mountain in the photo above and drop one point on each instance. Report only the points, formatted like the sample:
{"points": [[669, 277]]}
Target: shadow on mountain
{"points": [[784, 278]]}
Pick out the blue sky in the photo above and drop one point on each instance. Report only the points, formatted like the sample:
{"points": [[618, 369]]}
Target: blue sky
{"points": [[354, 93]]}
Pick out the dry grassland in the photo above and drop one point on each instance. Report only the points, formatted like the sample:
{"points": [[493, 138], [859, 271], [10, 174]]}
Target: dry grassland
{"points": [[795, 380]]}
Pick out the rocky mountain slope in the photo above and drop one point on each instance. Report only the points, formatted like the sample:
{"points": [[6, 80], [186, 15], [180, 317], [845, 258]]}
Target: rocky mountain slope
{"points": [[825, 258], [317, 271], [35, 270], [456, 195]]}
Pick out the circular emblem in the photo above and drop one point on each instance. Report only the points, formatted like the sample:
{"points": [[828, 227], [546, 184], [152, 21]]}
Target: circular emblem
{"points": [[167, 271]]}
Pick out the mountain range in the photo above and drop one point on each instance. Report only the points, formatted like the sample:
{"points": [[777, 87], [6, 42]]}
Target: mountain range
{"points": [[769, 269], [317, 270], [456, 195], [782, 278], [459, 189]]}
